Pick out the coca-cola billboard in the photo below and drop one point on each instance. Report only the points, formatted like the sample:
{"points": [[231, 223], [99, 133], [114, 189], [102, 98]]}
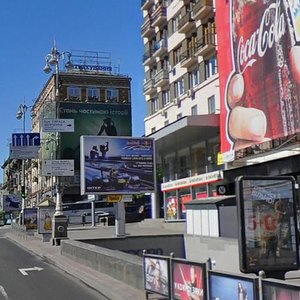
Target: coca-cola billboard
{"points": [[259, 66]]}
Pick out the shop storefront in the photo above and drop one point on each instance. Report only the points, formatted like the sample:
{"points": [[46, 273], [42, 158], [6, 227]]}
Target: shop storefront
{"points": [[179, 192]]}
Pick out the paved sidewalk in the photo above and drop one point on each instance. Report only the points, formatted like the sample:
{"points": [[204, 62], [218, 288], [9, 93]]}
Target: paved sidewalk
{"points": [[104, 284]]}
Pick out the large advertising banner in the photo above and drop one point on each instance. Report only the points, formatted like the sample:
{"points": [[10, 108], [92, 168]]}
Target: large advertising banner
{"points": [[189, 280], [231, 287], [157, 275], [100, 119], [274, 290], [259, 70], [117, 165], [267, 218], [12, 202]]}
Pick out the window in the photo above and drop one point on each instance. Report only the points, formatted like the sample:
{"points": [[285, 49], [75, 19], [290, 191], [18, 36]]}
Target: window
{"points": [[175, 22], [93, 94], [177, 55], [166, 97], [154, 105], [211, 67], [166, 122], [211, 105], [179, 116], [112, 95], [194, 78], [194, 110], [74, 93], [179, 87], [153, 130]]}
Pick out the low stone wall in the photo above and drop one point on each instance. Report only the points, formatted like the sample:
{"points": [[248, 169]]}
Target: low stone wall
{"points": [[121, 266], [153, 244]]}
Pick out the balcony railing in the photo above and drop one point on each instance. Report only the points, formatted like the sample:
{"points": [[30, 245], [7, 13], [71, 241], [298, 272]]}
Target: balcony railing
{"points": [[161, 77], [146, 4], [161, 47], [186, 23], [206, 44], [148, 56], [147, 27], [148, 86], [202, 8], [159, 16], [188, 57]]}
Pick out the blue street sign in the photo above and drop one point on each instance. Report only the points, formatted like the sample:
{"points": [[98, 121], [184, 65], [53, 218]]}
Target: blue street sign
{"points": [[26, 139]]}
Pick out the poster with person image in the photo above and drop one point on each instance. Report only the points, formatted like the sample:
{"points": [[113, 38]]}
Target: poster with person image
{"points": [[226, 286], [30, 218], [172, 208], [156, 275], [279, 290], [268, 239], [189, 280], [45, 216], [258, 70]]}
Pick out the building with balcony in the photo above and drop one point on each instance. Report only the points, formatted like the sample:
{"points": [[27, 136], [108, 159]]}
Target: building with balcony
{"points": [[184, 112], [181, 90]]}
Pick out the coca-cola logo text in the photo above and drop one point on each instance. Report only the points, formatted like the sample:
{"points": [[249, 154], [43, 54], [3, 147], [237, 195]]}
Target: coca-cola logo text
{"points": [[271, 29]]}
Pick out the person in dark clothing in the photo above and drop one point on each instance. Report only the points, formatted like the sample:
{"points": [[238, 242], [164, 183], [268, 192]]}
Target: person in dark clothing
{"points": [[103, 149], [108, 127]]}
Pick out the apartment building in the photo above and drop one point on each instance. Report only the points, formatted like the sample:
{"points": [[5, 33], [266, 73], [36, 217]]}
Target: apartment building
{"points": [[94, 95], [181, 89]]}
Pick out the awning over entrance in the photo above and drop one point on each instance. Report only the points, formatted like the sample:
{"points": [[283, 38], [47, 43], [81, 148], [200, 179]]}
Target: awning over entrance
{"points": [[187, 129]]}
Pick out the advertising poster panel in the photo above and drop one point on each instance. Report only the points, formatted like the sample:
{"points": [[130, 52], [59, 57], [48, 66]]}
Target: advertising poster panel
{"points": [[117, 165], [102, 119], [45, 216], [30, 218], [189, 280], [275, 290], [184, 199], [231, 287], [157, 275], [267, 217], [12, 202], [259, 70], [172, 208]]}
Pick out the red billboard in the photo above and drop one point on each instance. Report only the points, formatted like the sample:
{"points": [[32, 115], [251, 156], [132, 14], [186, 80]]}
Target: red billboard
{"points": [[189, 280], [258, 50]]}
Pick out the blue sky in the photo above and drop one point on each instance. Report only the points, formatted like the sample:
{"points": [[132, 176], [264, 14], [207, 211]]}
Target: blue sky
{"points": [[27, 31]]}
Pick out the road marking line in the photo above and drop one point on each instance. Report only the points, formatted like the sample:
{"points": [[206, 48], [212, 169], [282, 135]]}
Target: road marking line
{"points": [[24, 271], [4, 294]]}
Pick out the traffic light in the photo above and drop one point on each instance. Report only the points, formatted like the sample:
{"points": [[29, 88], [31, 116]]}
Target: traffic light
{"points": [[23, 191]]}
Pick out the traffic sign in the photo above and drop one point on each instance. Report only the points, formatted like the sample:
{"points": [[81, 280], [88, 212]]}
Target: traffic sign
{"points": [[28, 152], [61, 167], [26, 139], [58, 125]]}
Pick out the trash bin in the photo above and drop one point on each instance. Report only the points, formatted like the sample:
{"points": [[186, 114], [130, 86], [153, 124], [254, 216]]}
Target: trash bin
{"points": [[60, 227]]}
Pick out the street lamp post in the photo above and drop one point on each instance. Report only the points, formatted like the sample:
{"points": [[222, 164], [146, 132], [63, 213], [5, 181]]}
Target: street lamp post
{"points": [[53, 59], [21, 114], [59, 220]]}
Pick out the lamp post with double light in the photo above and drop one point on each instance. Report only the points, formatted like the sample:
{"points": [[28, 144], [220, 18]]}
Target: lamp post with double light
{"points": [[21, 114], [53, 60]]}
